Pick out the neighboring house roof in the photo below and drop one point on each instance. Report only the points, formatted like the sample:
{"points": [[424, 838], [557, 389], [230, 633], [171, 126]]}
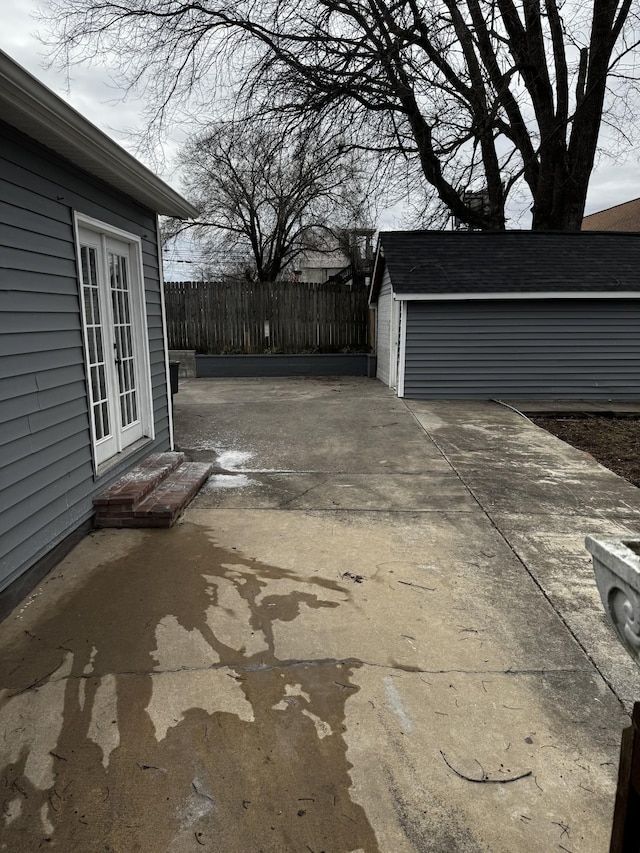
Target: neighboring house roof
{"points": [[474, 264], [32, 108], [621, 217], [312, 260]]}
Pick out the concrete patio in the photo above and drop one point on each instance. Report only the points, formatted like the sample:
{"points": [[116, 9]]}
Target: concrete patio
{"points": [[375, 629]]}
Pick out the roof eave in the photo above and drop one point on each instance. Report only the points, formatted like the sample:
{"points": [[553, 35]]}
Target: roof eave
{"points": [[34, 109]]}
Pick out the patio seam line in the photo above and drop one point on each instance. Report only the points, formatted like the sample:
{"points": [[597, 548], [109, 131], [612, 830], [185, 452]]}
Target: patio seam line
{"points": [[285, 665], [524, 565], [337, 509], [342, 473]]}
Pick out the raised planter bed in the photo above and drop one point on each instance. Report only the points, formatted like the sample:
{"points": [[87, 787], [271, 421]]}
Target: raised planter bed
{"points": [[316, 364], [616, 563]]}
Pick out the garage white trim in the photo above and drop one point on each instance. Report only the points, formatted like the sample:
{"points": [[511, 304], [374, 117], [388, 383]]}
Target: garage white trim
{"points": [[402, 361], [460, 297]]}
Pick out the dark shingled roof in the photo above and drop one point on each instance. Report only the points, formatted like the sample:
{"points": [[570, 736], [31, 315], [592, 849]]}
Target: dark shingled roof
{"points": [[440, 262]]}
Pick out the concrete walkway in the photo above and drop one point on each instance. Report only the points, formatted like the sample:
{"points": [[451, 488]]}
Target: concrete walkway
{"points": [[376, 629]]}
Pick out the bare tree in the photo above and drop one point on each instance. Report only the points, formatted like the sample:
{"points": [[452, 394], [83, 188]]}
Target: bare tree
{"points": [[480, 94], [268, 196]]}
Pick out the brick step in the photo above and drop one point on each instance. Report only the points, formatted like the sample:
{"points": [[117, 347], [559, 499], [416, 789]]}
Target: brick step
{"points": [[136, 484], [164, 504], [161, 506]]}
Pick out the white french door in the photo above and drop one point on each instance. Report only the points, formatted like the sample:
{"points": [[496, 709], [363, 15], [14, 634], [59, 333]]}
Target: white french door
{"points": [[115, 335]]}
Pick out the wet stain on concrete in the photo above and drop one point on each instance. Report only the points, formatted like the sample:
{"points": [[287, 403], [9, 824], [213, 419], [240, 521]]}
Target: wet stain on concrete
{"points": [[244, 754], [435, 830], [429, 823]]}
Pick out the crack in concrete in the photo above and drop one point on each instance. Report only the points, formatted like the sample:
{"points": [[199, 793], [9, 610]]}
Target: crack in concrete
{"points": [[302, 494], [293, 664]]}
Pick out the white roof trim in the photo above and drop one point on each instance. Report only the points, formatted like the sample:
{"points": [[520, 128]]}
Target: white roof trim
{"points": [[32, 108], [555, 294], [378, 259]]}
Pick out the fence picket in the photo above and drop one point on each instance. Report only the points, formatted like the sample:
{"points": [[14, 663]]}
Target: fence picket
{"points": [[214, 317]]}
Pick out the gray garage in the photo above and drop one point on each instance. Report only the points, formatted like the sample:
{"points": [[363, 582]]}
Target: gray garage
{"points": [[517, 314]]}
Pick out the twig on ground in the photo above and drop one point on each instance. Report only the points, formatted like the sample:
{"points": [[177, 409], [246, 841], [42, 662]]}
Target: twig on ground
{"points": [[418, 586], [484, 778]]}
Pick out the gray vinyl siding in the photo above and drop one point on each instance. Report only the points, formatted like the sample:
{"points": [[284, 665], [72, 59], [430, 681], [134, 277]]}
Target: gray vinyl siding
{"points": [[46, 464], [527, 349], [383, 329]]}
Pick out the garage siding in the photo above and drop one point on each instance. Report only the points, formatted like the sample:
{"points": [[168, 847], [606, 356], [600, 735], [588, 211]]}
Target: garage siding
{"points": [[383, 330], [526, 349]]}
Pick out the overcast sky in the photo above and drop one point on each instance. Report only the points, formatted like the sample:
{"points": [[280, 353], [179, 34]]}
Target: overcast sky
{"points": [[92, 92]]}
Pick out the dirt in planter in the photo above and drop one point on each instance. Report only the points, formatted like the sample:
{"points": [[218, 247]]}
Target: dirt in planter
{"points": [[614, 441]]}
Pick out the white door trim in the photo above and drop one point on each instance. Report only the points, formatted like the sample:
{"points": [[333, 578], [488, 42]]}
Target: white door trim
{"points": [[100, 235], [165, 336]]}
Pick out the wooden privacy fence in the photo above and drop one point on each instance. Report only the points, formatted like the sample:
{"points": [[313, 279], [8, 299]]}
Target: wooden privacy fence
{"points": [[286, 316]]}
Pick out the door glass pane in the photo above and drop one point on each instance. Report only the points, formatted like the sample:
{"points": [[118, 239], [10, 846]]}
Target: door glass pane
{"points": [[105, 412], [103, 382], [120, 300], [88, 304], [126, 373], [123, 274], [93, 321], [95, 389], [97, 417], [91, 342]]}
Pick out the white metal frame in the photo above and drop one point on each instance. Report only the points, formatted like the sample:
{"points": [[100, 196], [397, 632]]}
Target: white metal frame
{"points": [[103, 232]]}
